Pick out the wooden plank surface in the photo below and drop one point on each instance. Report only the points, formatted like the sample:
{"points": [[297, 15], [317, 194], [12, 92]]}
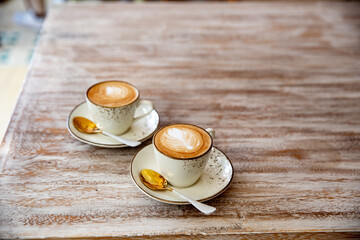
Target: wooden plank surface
{"points": [[279, 82]]}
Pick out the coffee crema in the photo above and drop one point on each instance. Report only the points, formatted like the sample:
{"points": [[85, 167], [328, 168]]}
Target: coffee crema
{"points": [[112, 94], [182, 141]]}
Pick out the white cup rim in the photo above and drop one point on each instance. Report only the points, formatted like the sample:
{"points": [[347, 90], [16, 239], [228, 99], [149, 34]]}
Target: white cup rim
{"points": [[137, 98], [176, 158]]}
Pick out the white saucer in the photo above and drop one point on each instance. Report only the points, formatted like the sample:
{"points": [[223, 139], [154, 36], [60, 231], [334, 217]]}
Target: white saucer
{"points": [[140, 130], [215, 179]]}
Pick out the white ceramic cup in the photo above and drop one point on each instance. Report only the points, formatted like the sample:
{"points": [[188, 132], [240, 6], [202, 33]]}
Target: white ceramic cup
{"points": [[117, 120], [182, 172]]}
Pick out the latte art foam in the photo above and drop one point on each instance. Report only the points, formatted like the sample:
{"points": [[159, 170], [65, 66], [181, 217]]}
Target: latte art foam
{"points": [[182, 141], [112, 94], [116, 92]]}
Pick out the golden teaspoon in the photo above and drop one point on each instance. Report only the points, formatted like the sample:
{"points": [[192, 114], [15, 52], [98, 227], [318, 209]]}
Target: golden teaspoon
{"points": [[85, 125], [155, 181]]}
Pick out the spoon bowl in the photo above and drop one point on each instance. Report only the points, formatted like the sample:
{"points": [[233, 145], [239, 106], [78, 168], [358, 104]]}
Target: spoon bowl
{"points": [[153, 180], [85, 125]]}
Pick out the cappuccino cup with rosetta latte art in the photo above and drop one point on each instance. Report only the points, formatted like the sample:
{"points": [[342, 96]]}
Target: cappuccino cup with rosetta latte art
{"points": [[112, 105], [182, 152]]}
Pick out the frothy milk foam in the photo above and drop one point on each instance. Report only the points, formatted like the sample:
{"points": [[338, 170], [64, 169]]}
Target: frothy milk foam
{"points": [[183, 141], [112, 94]]}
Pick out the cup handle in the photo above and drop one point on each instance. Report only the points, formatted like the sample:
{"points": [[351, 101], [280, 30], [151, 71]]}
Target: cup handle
{"points": [[211, 132], [144, 108]]}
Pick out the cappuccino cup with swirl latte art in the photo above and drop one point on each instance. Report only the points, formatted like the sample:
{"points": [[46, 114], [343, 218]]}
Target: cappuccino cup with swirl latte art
{"points": [[112, 105], [182, 152]]}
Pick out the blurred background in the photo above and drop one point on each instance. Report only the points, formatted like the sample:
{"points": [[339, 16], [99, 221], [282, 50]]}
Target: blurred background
{"points": [[20, 24], [19, 30]]}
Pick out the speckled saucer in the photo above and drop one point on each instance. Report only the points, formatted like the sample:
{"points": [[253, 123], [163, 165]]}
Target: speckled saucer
{"points": [[215, 179], [141, 129]]}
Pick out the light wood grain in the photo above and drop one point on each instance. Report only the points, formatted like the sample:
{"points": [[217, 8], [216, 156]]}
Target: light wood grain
{"points": [[279, 82]]}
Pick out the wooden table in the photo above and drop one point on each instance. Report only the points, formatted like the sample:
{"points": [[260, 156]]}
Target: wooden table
{"points": [[280, 83]]}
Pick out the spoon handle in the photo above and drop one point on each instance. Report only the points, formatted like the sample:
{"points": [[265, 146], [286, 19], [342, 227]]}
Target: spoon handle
{"points": [[123, 140], [200, 206]]}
